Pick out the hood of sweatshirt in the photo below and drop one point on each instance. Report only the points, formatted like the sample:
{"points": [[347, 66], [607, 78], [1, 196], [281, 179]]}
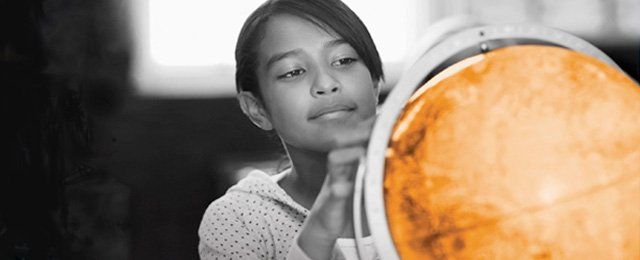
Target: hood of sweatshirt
{"points": [[261, 184]]}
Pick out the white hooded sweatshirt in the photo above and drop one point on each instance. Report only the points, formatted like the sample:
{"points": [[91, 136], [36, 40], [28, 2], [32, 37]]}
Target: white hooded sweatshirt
{"points": [[256, 219]]}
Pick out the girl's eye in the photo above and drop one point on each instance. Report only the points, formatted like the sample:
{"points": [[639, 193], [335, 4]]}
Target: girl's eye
{"points": [[292, 74], [343, 61]]}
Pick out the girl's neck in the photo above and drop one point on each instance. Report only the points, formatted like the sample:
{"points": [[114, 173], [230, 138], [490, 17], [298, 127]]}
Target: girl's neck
{"points": [[307, 175]]}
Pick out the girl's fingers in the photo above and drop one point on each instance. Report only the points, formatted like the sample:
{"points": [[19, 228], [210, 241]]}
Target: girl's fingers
{"points": [[342, 165]]}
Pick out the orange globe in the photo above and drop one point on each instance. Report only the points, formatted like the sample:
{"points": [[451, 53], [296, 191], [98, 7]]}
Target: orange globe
{"points": [[525, 152]]}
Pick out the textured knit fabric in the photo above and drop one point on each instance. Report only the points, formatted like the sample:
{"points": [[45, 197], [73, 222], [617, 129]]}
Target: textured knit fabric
{"points": [[255, 219]]}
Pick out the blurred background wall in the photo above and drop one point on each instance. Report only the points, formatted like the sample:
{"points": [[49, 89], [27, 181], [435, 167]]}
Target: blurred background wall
{"points": [[124, 125]]}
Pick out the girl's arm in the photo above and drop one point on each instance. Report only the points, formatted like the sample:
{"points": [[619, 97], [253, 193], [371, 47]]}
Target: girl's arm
{"points": [[331, 214]]}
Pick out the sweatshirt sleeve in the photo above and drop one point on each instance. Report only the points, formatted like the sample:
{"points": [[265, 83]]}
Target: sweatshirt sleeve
{"points": [[296, 253], [344, 249], [224, 235]]}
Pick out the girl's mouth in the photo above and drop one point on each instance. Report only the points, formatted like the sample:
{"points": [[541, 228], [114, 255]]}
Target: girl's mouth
{"points": [[332, 112]]}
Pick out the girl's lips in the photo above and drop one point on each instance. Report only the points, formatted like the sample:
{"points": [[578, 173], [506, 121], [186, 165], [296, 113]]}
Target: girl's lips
{"points": [[331, 112]]}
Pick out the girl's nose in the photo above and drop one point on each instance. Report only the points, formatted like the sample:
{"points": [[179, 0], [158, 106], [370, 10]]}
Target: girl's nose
{"points": [[325, 84]]}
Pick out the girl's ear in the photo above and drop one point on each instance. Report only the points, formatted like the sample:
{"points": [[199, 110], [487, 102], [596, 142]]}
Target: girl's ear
{"points": [[254, 109]]}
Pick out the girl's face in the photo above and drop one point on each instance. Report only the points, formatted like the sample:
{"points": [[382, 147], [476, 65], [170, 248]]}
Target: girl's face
{"points": [[313, 83]]}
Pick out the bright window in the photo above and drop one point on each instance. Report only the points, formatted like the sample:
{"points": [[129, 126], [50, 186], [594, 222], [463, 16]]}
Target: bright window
{"points": [[195, 32], [185, 48]]}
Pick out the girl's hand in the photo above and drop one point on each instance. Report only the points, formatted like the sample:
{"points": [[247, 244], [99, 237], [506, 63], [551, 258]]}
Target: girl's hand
{"points": [[331, 214]]}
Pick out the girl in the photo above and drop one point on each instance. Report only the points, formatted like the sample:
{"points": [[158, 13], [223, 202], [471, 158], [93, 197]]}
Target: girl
{"points": [[310, 71]]}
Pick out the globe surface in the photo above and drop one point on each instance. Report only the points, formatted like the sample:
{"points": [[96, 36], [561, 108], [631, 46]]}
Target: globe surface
{"points": [[525, 152]]}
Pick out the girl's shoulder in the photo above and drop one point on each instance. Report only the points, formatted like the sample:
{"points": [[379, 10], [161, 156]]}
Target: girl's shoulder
{"points": [[257, 191]]}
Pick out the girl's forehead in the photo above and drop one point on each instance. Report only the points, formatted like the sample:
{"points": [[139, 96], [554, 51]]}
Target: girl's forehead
{"points": [[288, 31]]}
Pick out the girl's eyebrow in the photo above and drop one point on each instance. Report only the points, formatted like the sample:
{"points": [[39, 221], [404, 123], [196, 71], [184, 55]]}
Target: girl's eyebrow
{"points": [[279, 56], [334, 42]]}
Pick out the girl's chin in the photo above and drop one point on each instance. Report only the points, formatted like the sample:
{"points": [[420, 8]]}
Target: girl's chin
{"points": [[315, 147]]}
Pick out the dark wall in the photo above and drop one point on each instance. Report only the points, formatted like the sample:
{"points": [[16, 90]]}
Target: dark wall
{"points": [[174, 155], [627, 56]]}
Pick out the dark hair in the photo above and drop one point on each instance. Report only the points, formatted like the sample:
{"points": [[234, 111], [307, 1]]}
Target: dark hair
{"points": [[327, 14]]}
